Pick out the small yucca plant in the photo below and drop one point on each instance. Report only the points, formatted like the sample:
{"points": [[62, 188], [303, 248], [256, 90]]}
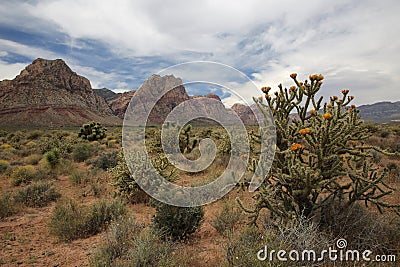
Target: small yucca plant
{"points": [[320, 155]]}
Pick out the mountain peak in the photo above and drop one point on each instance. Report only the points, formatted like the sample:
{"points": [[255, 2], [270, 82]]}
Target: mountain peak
{"points": [[49, 91]]}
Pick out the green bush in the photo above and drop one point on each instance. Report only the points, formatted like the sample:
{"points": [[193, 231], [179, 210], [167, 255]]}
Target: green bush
{"points": [[4, 165], [226, 221], [33, 135], [37, 194], [70, 221], [177, 222], [23, 175], [81, 152], [6, 206], [52, 157], [384, 134], [92, 131], [33, 159], [63, 143], [106, 161], [128, 243], [79, 177]]}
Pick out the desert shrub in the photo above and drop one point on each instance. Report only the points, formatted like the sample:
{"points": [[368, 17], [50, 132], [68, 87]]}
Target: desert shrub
{"points": [[52, 157], [242, 251], [372, 128], [92, 131], [33, 135], [33, 159], [117, 240], [16, 138], [6, 206], [106, 161], [70, 221], [320, 154], [384, 134], [23, 175], [125, 184], [177, 222], [376, 157], [81, 152], [37, 194], [361, 228], [4, 165], [64, 144], [7, 147], [227, 220], [79, 177], [127, 243], [297, 235], [30, 144], [125, 181], [111, 143]]}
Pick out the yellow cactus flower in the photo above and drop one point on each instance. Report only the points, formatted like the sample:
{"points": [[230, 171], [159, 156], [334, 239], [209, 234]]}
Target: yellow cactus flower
{"points": [[304, 131], [327, 116], [296, 147]]}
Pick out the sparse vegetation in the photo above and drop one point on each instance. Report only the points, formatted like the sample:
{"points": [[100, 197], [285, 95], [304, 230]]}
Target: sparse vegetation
{"points": [[128, 243], [37, 194], [23, 175], [177, 222], [70, 221], [6, 206], [227, 220], [81, 152], [106, 161], [4, 165]]}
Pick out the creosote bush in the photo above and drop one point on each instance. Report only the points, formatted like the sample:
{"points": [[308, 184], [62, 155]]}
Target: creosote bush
{"points": [[70, 221], [127, 243], [106, 161], [320, 155], [23, 175], [81, 152], [37, 194], [6, 206], [4, 165], [227, 220], [177, 222]]}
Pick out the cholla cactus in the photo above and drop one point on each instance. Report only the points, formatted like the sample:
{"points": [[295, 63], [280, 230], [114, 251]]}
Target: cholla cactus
{"points": [[125, 182], [320, 155], [92, 131], [186, 143]]}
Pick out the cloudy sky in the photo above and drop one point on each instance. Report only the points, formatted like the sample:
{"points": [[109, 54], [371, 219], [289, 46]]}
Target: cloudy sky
{"points": [[118, 44]]}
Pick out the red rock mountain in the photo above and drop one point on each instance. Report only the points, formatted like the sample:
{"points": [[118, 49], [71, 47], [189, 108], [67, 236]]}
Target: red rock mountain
{"points": [[49, 93]]}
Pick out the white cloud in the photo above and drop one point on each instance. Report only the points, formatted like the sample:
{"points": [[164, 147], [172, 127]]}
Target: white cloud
{"points": [[354, 43], [9, 71]]}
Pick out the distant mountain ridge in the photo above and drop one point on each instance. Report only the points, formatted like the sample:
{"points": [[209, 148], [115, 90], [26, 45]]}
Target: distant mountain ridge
{"points": [[381, 112], [49, 93]]}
